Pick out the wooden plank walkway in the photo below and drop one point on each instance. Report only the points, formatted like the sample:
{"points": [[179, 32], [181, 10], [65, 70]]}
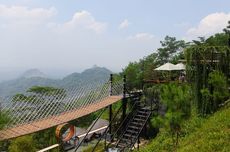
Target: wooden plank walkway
{"points": [[49, 122]]}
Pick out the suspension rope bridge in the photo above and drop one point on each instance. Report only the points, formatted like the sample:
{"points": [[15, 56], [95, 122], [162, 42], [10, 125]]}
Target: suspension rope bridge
{"points": [[63, 105]]}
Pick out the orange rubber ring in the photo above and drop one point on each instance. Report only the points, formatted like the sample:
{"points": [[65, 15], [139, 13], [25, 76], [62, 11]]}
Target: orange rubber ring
{"points": [[68, 136]]}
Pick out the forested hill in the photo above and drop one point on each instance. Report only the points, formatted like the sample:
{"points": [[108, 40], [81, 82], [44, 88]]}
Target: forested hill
{"points": [[35, 77], [211, 134]]}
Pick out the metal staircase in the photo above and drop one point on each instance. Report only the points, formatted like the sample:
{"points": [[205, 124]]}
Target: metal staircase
{"points": [[126, 135], [133, 129]]}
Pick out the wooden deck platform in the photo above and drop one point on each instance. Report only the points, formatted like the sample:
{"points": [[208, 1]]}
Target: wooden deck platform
{"points": [[56, 120]]}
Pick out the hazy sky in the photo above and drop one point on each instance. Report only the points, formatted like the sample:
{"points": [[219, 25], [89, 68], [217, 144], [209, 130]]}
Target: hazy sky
{"points": [[60, 36]]}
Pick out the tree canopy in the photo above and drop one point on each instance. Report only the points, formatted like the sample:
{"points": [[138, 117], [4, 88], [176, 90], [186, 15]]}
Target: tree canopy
{"points": [[171, 48], [171, 51], [46, 90]]}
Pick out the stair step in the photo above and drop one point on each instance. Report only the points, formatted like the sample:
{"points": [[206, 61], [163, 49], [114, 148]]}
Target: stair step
{"points": [[142, 116], [132, 131], [145, 108], [136, 123], [128, 135], [138, 119], [126, 140], [134, 127], [142, 112], [122, 144]]}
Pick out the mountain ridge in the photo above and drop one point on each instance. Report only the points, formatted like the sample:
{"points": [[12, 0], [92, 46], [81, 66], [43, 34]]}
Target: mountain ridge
{"points": [[33, 73], [35, 77]]}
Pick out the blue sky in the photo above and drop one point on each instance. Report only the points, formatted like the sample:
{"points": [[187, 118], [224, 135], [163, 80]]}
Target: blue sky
{"points": [[61, 37]]}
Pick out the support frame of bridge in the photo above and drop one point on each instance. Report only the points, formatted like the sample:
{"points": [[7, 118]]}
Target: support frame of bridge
{"points": [[124, 100], [110, 106]]}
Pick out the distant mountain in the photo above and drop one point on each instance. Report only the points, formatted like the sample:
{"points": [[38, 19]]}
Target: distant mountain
{"points": [[94, 74], [35, 77], [33, 73], [20, 85]]}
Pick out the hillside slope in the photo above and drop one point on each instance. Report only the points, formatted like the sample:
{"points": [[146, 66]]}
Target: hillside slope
{"points": [[214, 134], [203, 135]]}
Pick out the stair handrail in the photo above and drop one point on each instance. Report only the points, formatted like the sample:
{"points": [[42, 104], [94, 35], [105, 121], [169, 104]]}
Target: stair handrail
{"points": [[124, 120], [126, 126], [135, 139], [136, 136], [107, 128], [90, 129], [106, 131]]}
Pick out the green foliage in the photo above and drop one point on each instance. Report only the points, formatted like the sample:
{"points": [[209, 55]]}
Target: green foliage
{"points": [[177, 99], [219, 39], [22, 144], [117, 77], [171, 48], [147, 65], [215, 95], [218, 80], [86, 121], [213, 135], [38, 92], [4, 119], [134, 75], [19, 97], [198, 134], [48, 91], [152, 92], [204, 57], [207, 101], [164, 142], [44, 138], [24, 98], [99, 148], [137, 72], [227, 29]]}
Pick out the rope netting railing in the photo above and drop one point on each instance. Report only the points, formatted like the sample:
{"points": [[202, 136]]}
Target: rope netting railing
{"points": [[38, 107]]}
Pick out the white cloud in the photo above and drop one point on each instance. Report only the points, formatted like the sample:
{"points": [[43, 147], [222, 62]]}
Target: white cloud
{"points": [[124, 24], [24, 18], [211, 24], [84, 19], [23, 15], [141, 36], [71, 45]]}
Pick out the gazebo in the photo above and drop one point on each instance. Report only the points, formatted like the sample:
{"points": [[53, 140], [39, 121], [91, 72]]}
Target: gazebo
{"points": [[170, 67], [166, 67]]}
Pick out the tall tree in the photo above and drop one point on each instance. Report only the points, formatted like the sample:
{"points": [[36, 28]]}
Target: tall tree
{"points": [[171, 48], [177, 99], [134, 75], [148, 64]]}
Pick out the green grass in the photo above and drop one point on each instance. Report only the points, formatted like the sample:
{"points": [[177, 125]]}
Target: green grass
{"points": [[100, 148], [210, 134], [214, 134]]}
